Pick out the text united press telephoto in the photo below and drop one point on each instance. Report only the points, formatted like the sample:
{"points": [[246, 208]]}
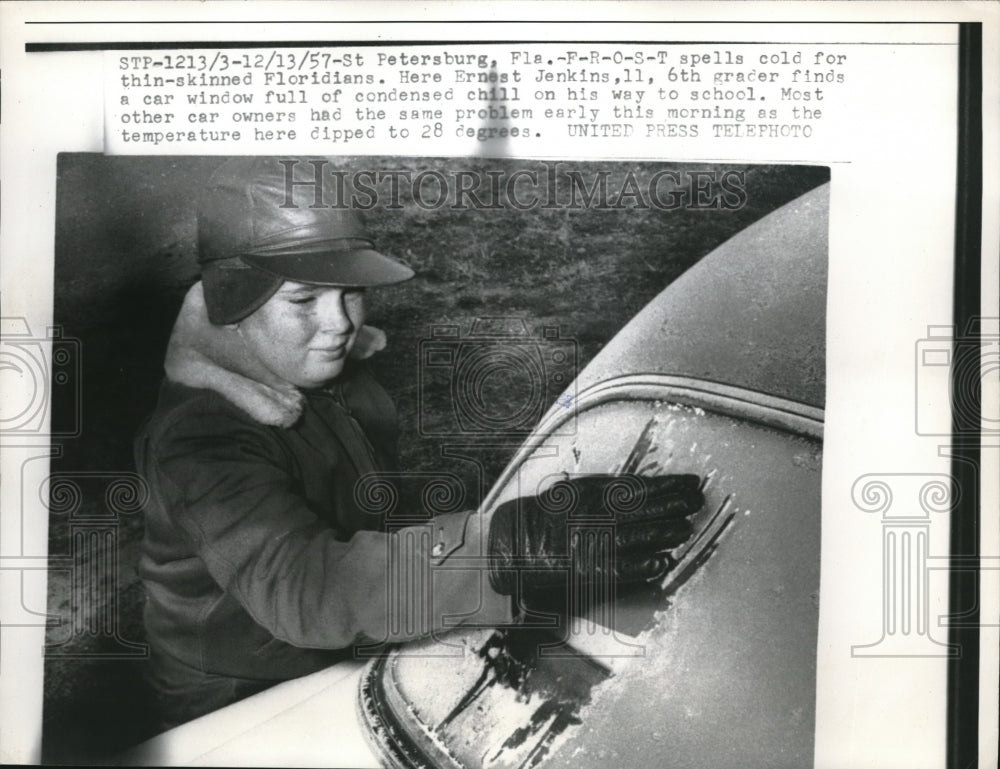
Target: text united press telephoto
{"points": [[521, 458]]}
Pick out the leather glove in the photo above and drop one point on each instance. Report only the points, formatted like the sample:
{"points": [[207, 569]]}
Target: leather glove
{"points": [[541, 537]]}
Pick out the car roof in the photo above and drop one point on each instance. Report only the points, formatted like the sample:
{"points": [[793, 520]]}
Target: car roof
{"points": [[751, 314]]}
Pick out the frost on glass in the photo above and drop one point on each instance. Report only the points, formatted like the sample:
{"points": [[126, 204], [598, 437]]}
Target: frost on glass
{"points": [[711, 666]]}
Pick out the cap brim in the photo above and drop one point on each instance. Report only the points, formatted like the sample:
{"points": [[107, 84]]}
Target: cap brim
{"points": [[354, 267]]}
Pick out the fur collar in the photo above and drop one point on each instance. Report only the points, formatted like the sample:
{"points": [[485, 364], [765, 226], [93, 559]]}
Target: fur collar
{"points": [[215, 358]]}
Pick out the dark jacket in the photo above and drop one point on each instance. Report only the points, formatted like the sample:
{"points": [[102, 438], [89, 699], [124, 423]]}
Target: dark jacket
{"points": [[258, 562]]}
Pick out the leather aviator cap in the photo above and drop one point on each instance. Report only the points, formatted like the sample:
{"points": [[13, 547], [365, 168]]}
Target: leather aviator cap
{"points": [[263, 221]]}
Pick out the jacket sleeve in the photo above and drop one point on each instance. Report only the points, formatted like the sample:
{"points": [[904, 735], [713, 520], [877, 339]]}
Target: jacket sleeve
{"points": [[231, 493]]}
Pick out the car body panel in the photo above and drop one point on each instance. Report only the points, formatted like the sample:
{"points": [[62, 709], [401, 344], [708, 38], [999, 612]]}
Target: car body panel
{"points": [[751, 314], [308, 721]]}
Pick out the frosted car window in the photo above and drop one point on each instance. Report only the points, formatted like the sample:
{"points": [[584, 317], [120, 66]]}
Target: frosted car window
{"points": [[715, 666]]}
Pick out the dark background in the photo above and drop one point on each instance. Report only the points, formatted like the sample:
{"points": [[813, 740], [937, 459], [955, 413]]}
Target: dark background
{"points": [[125, 256]]}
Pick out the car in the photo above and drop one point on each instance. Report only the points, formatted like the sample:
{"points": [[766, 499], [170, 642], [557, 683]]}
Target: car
{"points": [[723, 376], [713, 665]]}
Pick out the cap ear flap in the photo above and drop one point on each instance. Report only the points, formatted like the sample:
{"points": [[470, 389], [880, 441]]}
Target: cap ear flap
{"points": [[214, 357], [232, 294]]}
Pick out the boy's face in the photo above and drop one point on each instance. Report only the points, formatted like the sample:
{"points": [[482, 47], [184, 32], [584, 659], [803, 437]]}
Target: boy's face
{"points": [[304, 333]]}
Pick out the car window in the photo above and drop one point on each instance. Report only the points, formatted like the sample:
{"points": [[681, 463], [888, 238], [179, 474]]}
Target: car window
{"points": [[713, 663]]}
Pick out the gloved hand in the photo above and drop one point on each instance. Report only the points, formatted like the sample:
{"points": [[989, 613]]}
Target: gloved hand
{"points": [[542, 536]]}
